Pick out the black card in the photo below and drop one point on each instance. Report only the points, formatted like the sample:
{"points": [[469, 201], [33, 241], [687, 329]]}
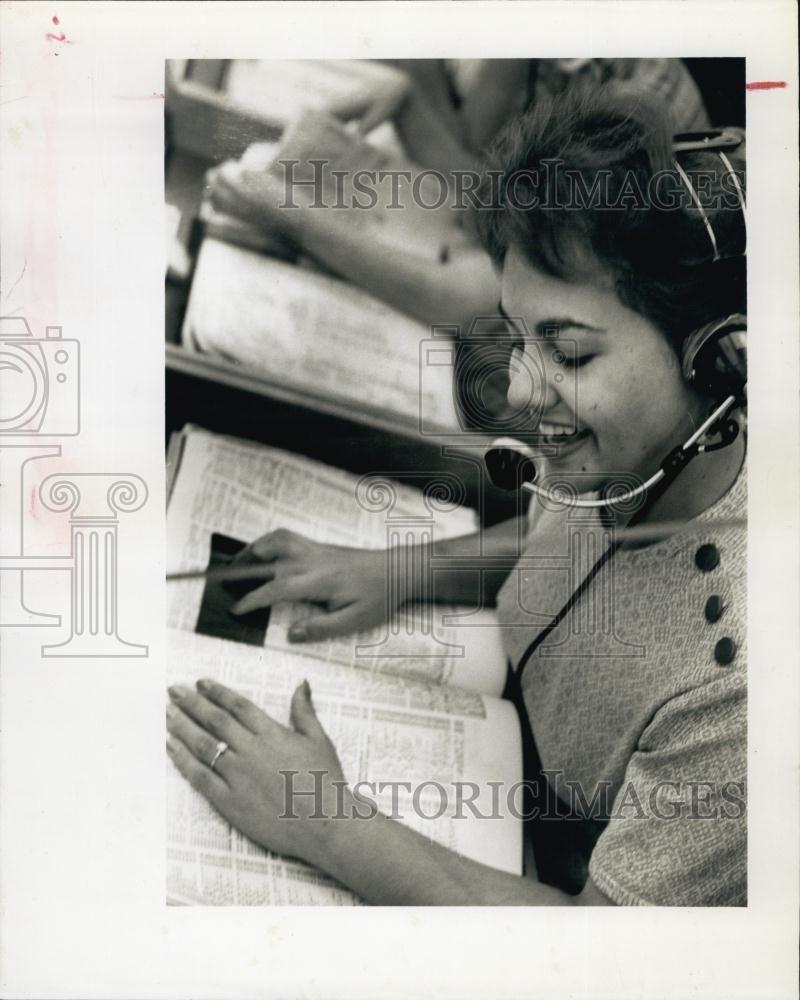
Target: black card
{"points": [[215, 616]]}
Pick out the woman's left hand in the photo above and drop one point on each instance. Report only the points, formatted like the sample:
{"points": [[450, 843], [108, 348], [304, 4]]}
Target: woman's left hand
{"points": [[247, 785]]}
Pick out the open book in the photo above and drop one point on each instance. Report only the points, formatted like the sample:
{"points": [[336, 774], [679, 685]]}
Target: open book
{"points": [[315, 333], [415, 701]]}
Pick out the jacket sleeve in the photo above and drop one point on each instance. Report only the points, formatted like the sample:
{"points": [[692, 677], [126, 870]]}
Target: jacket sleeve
{"points": [[678, 829]]}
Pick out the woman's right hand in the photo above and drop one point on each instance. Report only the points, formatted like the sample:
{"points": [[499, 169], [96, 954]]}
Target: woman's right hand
{"points": [[348, 585]]}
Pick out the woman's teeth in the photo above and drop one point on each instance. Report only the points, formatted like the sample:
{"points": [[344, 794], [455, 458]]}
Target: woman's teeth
{"points": [[555, 430], [558, 433]]}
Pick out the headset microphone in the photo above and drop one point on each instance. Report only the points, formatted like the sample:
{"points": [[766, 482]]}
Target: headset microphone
{"points": [[511, 465]]}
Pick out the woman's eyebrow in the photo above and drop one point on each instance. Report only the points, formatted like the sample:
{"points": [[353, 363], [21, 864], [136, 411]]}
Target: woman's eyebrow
{"points": [[548, 329]]}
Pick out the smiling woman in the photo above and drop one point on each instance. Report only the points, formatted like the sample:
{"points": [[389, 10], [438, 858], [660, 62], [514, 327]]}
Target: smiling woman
{"points": [[631, 669], [633, 405]]}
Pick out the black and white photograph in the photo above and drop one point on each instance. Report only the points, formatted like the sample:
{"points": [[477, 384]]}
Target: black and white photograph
{"points": [[457, 392], [400, 499]]}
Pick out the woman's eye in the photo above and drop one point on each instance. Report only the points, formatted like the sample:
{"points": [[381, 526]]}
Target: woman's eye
{"points": [[578, 362]]}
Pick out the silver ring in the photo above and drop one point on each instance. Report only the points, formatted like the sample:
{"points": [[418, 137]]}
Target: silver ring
{"points": [[219, 750]]}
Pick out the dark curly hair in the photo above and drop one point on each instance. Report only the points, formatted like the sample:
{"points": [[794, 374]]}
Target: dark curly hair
{"points": [[598, 172]]}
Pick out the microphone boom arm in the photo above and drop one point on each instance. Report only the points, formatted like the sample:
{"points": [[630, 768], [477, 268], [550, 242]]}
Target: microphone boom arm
{"points": [[677, 459]]}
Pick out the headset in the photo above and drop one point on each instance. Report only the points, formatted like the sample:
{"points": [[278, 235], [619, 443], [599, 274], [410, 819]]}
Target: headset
{"points": [[714, 359]]}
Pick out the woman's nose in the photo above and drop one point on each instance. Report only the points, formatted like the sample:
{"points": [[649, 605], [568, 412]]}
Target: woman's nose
{"points": [[531, 386]]}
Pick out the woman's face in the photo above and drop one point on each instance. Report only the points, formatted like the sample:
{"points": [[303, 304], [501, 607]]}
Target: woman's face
{"points": [[610, 395]]}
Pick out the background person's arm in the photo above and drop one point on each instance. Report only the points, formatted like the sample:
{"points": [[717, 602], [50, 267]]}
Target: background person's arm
{"points": [[436, 133], [422, 111], [452, 290]]}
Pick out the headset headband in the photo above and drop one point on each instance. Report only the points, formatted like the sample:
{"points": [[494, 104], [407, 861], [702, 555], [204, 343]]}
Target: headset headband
{"points": [[716, 141]]}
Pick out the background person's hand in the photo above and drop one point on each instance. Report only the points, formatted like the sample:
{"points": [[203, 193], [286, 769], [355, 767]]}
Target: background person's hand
{"points": [[257, 196], [246, 785], [376, 105], [348, 585]]}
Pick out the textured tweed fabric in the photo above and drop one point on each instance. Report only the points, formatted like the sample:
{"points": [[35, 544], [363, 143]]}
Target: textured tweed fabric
{"points": [[637, 700]]}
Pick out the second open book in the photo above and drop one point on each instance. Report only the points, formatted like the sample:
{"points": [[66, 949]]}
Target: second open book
{"points": [[307, 328]]}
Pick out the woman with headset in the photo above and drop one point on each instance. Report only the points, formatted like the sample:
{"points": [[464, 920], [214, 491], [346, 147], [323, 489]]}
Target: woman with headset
{"points": [[623, 288]]}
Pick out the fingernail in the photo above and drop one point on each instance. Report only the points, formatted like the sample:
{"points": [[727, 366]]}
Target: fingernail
{"points": [[203, 685], [297, 632], [236, 609], [172, 745], [172, 712], [178, 691], [306, 689]]}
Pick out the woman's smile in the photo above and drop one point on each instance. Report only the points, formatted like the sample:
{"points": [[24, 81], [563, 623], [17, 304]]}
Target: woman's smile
{"points": [[567, 440]]}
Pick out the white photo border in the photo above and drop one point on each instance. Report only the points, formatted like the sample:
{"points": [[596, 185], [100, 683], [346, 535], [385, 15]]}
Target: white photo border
{"points": [[82, 767]]}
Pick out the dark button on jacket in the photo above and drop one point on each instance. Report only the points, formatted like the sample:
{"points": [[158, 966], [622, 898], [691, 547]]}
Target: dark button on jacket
{"points": [[707, 558], [714, 608], [724, 651]]}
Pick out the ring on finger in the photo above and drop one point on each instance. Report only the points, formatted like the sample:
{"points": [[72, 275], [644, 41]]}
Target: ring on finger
{"points": [[219, 750]]}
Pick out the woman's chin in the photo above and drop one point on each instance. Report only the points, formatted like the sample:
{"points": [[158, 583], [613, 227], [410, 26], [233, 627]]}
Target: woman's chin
{"points": [[584, 470], [575, 460]]}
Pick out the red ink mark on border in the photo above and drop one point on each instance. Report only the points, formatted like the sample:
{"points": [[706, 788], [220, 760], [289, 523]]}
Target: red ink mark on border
{"points": [[51, 37], [766, 85]]}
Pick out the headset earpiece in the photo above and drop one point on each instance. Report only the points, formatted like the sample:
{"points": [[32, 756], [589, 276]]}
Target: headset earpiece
{"points": [[715, 358]]}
